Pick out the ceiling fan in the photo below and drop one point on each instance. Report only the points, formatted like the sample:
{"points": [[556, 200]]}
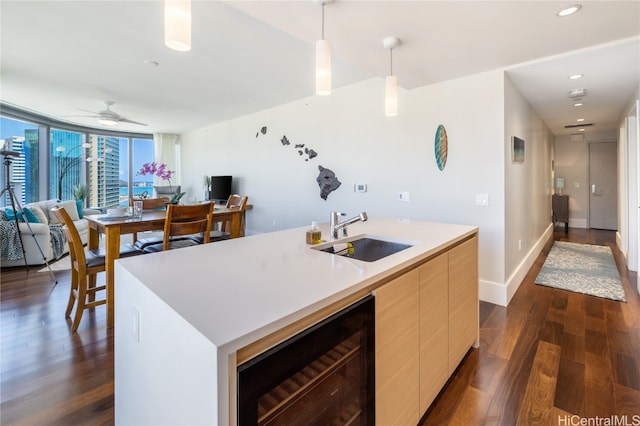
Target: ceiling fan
{"points": [[109, 117]]}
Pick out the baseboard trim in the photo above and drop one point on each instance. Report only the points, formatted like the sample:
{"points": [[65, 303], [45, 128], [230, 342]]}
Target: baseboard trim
{"points": [[578, 223], [492, 292], [501, 294]]}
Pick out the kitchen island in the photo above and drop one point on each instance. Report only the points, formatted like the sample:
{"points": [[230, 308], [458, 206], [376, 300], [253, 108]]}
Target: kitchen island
{"points": [[186, 318]]}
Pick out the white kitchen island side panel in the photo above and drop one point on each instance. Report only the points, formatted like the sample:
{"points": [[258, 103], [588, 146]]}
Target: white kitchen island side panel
{"points": [[169, 376]]}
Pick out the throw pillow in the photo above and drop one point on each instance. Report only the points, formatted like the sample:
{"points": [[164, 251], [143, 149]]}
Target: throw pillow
{"points": [[51, 203], [42, 218], [70, 207], [11, 215], [31, 218], [79, 207]]}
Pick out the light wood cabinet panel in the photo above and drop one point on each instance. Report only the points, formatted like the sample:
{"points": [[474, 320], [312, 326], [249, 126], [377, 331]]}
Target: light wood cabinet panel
{"points": [[426, 321], [463, 300], [434, 328], [397, 348]]}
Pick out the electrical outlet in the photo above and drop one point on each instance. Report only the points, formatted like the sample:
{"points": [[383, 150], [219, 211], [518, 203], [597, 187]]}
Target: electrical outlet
{"points": [[360, 187], [135, 323]]}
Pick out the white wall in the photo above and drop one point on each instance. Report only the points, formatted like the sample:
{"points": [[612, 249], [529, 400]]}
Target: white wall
{"points": [[353, 138], [528, 187], [627, 236]]}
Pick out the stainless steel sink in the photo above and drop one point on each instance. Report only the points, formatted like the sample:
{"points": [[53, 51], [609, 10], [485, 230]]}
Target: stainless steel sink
{"points": [[365, 248]]}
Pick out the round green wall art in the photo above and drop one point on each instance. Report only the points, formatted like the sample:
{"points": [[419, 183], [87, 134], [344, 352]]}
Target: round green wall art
{"points": [[441, 147]]}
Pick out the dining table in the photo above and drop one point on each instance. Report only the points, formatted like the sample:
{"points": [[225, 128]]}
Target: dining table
{"points": [[150, 220]]}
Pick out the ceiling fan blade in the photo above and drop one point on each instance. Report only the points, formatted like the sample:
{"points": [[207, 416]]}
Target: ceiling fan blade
{"points": [[126, 120], [86, 110]]}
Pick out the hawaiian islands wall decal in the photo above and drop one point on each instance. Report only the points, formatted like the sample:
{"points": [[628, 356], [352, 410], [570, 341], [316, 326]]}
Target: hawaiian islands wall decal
{"points": [[308, 153], [327, 181], [441, 147], [300, 148], [262, 130]]}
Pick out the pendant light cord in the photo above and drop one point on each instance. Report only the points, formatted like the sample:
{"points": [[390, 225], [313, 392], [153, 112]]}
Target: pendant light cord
{"points": [[322, 20], [391, 61]]}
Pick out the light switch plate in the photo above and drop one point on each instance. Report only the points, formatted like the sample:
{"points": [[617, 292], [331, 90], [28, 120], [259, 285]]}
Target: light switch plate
{"points": [[482, 200]]}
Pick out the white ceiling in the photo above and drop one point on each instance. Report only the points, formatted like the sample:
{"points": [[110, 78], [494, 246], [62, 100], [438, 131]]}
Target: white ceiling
{"points": [[58, 57]]}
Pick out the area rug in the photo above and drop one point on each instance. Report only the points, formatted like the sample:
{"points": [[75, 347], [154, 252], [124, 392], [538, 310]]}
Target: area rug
{"points": [[582, 268]]}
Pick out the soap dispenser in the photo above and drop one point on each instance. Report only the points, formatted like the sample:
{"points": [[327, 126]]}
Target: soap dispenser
{"points": [[314, 236]]}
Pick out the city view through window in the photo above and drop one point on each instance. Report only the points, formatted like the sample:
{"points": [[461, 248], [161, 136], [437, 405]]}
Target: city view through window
{"points": [[63, 164]]}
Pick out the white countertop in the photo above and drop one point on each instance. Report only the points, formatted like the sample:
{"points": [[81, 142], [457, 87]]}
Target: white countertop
{"points": [[238, 291]]}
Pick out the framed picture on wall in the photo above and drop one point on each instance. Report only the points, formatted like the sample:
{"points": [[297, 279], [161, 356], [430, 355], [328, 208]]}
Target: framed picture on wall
{"points": [[517, 150]]}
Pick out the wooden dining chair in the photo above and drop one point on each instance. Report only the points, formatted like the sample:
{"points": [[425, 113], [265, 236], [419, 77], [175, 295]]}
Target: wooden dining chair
{"points": [[235, 201], [84, 264], [181, 223], [148, 204], [151, 203]]}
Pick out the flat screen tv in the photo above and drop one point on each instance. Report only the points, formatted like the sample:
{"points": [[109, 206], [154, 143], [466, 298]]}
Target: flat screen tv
{"points": [[220, 188]]}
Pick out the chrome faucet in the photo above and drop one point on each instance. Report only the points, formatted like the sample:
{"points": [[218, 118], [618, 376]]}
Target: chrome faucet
{"points": [[335, 226]]}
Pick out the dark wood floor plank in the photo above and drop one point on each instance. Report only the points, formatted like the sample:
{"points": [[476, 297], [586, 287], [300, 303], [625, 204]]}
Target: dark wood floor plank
{"points": [[569, 394], [596, 343], [593, 307], [573, 347], [627, 401], [552, 332], [537, 404], [599, 398], [626, 370], [441, 413], [506, 402]]}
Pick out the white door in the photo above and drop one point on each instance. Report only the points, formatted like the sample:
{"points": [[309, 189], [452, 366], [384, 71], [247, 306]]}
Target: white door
{"points": [[603, 181]]}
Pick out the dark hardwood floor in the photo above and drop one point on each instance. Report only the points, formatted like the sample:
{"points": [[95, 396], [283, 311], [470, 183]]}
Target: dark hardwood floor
{"points": [[550, 353]]}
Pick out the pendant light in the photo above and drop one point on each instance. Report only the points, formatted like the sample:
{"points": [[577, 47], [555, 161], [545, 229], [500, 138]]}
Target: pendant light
{"points": [[391, 81], [177, 24], [323, 60]]}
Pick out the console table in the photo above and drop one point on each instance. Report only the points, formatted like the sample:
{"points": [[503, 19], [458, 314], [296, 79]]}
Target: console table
{"points": [[560, 207]]}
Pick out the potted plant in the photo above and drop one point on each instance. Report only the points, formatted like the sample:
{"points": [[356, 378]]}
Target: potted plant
{"points": [[163, 173], [206, 182], [79, 193]]}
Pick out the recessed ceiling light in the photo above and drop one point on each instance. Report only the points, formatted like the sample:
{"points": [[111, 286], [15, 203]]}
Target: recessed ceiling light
{"points": [[575, 76], [577, 104], [580, 120], [569, 10], [577, 93]]}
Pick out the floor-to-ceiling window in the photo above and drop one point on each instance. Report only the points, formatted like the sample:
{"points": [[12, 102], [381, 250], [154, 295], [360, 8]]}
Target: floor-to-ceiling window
{"points": [[142, 152], [21, 138], [66, 161]]}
